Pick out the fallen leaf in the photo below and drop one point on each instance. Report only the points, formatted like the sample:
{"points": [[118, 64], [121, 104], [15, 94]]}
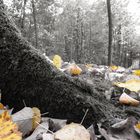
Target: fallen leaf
{"points": [[57, 61], [92, 133], [127, 100], [27, 119], [72, 131], [8, 129], [47, 136], [39, 131], [138, 125], [89, 65], [36, 117], [113, 67], [127, 133], [1, 106], [132, 85], [136, 72], [137, 128], [54, 124], [74, 69], [24, 120]]}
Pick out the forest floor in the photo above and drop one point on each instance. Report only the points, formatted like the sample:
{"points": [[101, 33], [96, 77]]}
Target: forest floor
{"points": [[120, 86]]}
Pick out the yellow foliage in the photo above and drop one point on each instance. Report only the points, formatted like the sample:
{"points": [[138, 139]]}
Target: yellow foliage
{"points": [[8, 129], [5, 116], [132, 85], [113, 67], [36, 117], [57, 61], [75, 70], [1, 106], [89, 65], [136, 72], [138, 125]]}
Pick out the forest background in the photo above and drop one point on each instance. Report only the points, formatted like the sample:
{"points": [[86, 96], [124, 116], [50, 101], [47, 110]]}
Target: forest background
{"points": [[78, 29]]}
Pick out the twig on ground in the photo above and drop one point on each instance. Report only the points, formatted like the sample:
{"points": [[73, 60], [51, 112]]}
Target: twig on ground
{"points": [[84, 116]]}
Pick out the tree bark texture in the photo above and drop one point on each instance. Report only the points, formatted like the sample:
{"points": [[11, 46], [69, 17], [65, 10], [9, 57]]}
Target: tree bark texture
{"points": [[25, 74]]}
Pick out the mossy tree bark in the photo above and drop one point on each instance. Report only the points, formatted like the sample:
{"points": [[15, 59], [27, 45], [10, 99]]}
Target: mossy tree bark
{"points": [[26, 75]]}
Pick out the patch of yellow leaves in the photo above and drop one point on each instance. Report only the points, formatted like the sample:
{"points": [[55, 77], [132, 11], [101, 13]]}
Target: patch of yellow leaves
{"points": [[57, 61], [36, 117], [136, 72], [1, 106], [113, 67], [75, 70], [138, 126], [89, 65], [8, 129], [132, 85]]}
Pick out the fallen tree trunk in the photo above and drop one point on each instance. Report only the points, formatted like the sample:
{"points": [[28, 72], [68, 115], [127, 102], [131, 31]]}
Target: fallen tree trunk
{"points": [[26, 75]]}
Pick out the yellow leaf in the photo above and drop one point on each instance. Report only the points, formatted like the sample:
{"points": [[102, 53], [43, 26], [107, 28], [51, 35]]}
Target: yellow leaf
{"points": [[75, 70], [1, 106], [57, 61], [8, 129], [36, 117], [132, 85], [136, 72], [5, 116], [13, 136], [113, 67], [89, 65], [138, 126]]}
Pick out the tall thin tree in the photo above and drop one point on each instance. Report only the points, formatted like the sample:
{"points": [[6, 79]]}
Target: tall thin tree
{"points": [[23, 14], [109, 32], [35, 23]]}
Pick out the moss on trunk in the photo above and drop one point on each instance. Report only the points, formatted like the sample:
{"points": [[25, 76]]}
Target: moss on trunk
{"points": [[26, 75]]}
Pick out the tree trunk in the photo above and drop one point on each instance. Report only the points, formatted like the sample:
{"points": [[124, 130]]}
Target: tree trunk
{"points": [[77, 37], [119, 44], [67, 48], [23, 13], [110, 32], [35, 23], [25, 74], [90, 34], [29, 29]]}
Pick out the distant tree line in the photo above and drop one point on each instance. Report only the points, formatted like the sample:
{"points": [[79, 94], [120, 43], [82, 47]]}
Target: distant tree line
{"points": [[101, 33]]}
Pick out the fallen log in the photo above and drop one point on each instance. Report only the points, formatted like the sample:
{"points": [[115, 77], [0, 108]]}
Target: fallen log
{"points": [[25, 74]]}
